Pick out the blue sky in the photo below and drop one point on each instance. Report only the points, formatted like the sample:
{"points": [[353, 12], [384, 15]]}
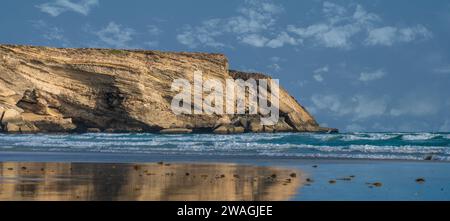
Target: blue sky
{"points": [[356, 65]]}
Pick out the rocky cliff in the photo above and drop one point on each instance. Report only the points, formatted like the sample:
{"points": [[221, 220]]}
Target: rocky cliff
{"points": [[46, 89]]}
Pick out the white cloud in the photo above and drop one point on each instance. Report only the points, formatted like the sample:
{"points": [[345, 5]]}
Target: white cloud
{"points": [[415, 106], [380, 127], [318, 73], [382, 36], [354, 128], [276, 59], [318, 77], [58, 7], [370, 76], [330, 103], [282, 39], [115, 35], [368, 107], [250, 26], [154, 30], [445, 126], [204, 34], [342, 26], [188, 38], [275, 66], [360, 110], [254, 16], [389, 35], [51, 33], [322, 69], [254, 40], [338, 28], [333, 10], [358, 107]]}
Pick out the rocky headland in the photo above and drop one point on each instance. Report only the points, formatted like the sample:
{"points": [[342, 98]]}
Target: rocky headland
{"points": [[47, 90]]}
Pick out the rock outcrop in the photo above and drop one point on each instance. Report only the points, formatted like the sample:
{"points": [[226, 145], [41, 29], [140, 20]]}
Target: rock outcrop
{"points": [[46, 89]]}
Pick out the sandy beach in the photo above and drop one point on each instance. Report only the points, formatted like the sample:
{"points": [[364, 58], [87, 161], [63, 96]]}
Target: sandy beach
{"points": [[113, 177], [145, 181]]}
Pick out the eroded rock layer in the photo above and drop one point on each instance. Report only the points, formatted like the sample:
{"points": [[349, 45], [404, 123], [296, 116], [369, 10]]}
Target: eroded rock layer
{"points": [[46, 89]]}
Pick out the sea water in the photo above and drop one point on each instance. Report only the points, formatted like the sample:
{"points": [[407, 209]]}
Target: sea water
{"points": [[399, 146]]}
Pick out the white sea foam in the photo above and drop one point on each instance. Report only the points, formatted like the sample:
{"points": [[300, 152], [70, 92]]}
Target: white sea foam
{"points": [[325, 137], [288, 144], [420, 136], [368, 136], [350, 156]]}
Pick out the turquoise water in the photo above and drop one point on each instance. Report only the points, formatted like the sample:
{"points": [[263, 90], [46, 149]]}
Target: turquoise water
{"points": [[400, 146]]}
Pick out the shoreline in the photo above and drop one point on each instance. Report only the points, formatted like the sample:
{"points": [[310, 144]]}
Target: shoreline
{"points": [[92, 157]]}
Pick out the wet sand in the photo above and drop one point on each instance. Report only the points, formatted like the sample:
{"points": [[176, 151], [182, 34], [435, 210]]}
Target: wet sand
{"points": [[53, 181], [318, 179]]}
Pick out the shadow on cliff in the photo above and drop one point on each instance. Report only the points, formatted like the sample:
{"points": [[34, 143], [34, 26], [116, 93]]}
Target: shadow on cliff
{"points": [[109, 113]]}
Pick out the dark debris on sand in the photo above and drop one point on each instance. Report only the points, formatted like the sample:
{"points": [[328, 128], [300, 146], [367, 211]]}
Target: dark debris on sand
{"points": [[309, 180], [345, 179], [420, 180], [375, 184]]}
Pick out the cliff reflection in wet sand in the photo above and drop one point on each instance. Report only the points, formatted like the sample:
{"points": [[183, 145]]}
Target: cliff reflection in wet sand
{"points": [[156, 181]]}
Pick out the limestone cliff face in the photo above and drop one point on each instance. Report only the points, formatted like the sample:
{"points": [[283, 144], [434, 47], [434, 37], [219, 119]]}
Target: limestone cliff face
{"points": [[77, 90]]}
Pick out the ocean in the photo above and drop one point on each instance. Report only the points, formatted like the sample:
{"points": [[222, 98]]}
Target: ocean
{"points": [[353, 161], [380, 146]]}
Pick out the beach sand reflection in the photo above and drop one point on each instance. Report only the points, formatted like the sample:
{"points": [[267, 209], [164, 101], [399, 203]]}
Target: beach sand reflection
{"points": [[155, 181]]}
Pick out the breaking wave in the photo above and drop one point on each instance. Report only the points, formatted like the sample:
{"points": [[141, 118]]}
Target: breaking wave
{"points": [[404, 146]]}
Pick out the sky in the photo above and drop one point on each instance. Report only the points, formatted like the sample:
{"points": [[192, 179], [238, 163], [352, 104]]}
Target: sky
{"points": [[374, 65]]}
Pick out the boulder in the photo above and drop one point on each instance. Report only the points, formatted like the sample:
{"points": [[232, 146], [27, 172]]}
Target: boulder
{"points": [[256, 126], [28, 128], [12, 128], [268, 129], [244, 122], [11, 116], [229, 129], [54, 124], [93, 130], [2, 111], [175, 131], [225, 120], [238, 130], [221, 130], [282, 126]]}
